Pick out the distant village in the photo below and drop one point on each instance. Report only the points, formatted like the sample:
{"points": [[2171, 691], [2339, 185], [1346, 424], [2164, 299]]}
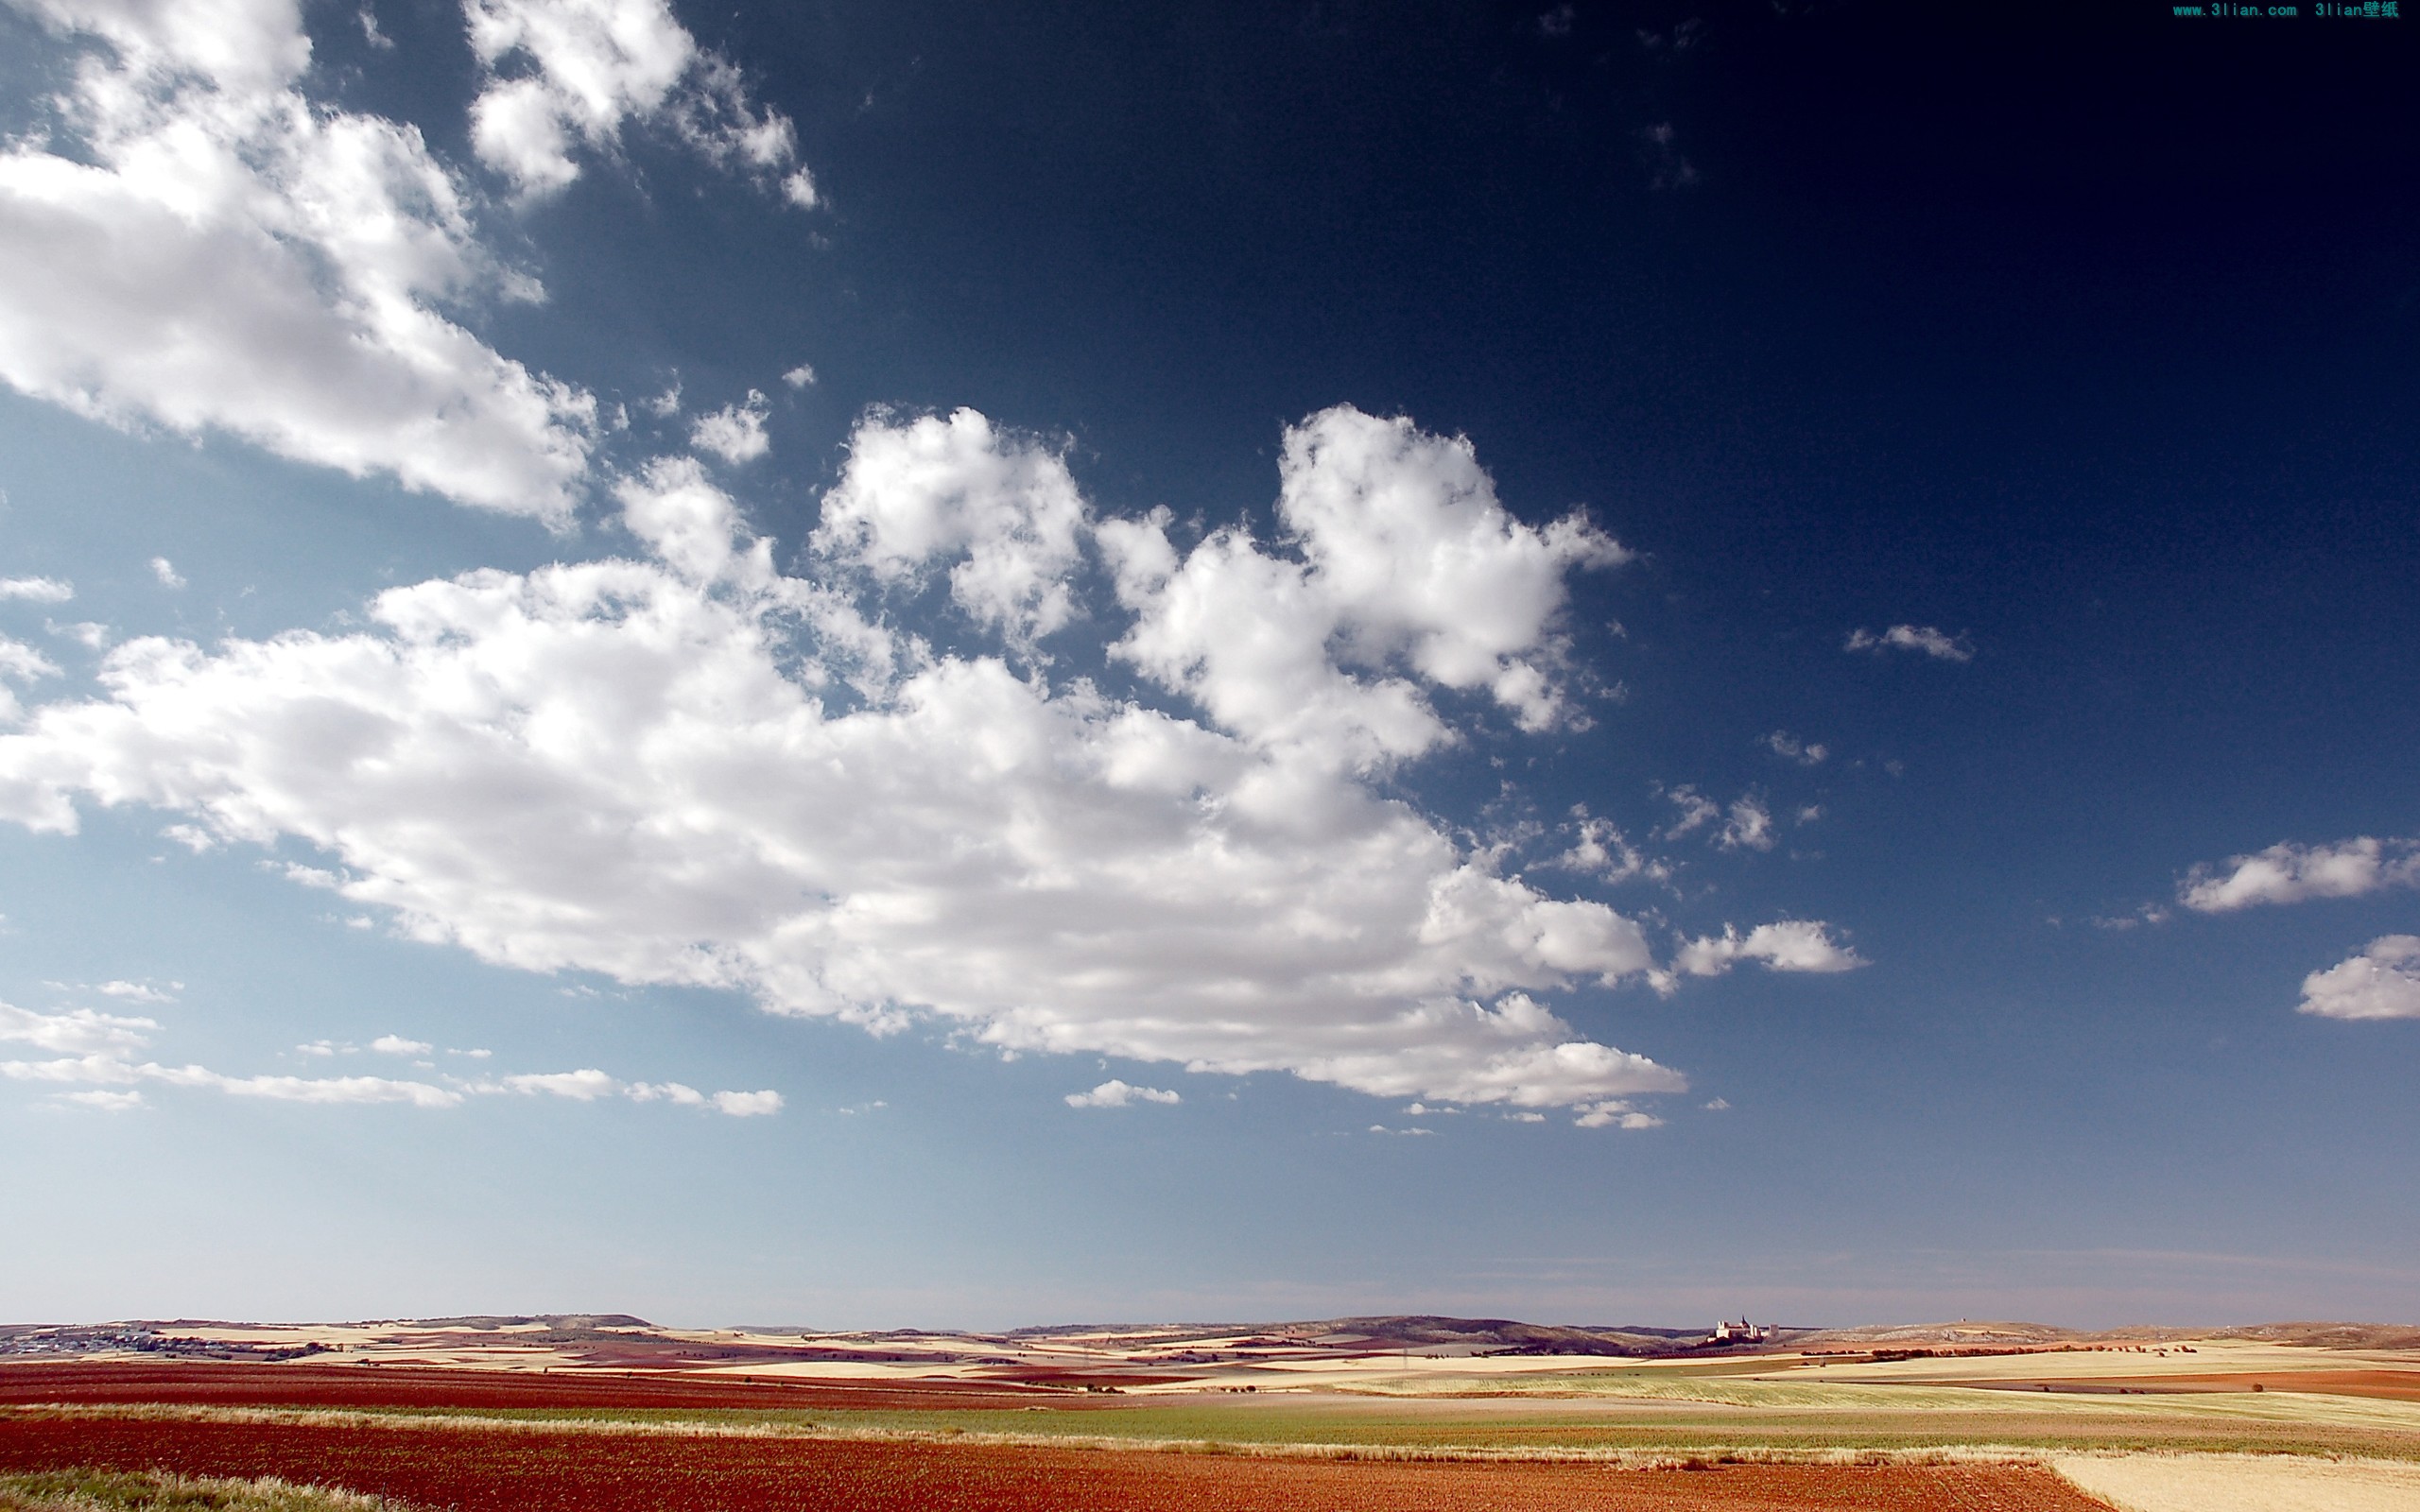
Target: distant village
{"points": [[142, 1340]]}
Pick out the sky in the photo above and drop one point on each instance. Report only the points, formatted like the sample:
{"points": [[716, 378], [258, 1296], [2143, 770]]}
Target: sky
{"points": [[866, 665]]}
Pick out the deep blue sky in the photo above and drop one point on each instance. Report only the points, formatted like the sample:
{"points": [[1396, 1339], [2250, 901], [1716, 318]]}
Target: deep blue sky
{"points": [[2084, 339]]}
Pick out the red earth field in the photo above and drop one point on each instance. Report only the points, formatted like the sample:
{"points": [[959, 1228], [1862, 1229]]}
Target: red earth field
{"points": [[477, 1469], [345, 1385]]}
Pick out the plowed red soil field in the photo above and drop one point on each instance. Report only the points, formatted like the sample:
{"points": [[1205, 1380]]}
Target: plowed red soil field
{"points": [[528, 1470], [520, 1471]]}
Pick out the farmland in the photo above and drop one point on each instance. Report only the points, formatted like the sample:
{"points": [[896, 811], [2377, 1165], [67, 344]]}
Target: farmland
{"points": [[1326, 1424]]}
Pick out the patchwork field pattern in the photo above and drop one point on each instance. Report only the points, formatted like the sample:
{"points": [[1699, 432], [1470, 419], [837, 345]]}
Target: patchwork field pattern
{"points": [[1324, 1426]]}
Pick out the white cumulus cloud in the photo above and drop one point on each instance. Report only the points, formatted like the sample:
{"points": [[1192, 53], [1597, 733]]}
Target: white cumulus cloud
{"points": [[37, 590], [569, 73], [165, 570], [1114, 1093], [395, 1045], [1002, 509], [2290, 873], [1920, 638], [1406, 570], [694, 769], [1790, 748], [214, 251], [2382, 982], [735, 433], [1790, 945]]}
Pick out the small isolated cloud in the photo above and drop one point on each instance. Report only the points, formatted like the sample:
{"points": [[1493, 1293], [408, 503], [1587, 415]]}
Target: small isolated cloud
{"points": [[1614, 1114], [1922, 638], [1413, 1133], [1116, 1094], [104, 1099], [1557, 24], [141, 992], [1600, 850], [165, 570], [801, 376], [735, 433], [378, 39], [1716, 1105], [90, 634], [747, 1104], [665, 404], [37, 590], [1748, 827], [1789, 748], [2289, 873], [395, 1045], [1790, 945], [2382, 982]]}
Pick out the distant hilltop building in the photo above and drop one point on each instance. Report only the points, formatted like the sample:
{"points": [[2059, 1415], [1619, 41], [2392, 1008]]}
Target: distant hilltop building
{"points": [[1742, 1331]]}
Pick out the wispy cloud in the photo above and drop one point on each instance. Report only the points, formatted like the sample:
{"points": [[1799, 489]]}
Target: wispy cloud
{"points": [[97, 1051], [1790, 748], [1919, 638]]}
